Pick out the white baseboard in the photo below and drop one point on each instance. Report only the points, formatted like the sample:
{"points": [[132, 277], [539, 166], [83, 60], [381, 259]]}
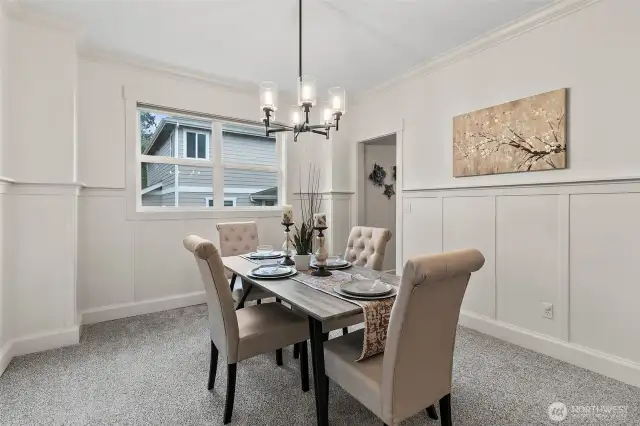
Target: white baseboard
{"points": [[38, 342], [5, 357], [44, 341], [608, 365], [124, 310]]}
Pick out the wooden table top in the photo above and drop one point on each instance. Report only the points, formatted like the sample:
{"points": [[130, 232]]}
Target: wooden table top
{"points": [[315, 303]]}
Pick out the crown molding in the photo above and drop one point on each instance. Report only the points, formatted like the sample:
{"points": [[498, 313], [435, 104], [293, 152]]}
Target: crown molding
{"points": [[556, 10], [96, 53], [23, 12]]}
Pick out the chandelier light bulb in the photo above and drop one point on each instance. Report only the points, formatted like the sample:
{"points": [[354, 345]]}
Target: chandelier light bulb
{"points": [[338, 98], [327, 115], [268, 98], [295, 118], [336, 103]]}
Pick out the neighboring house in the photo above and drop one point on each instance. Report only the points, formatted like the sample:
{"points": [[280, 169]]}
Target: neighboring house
{"points": [[188, 138]]}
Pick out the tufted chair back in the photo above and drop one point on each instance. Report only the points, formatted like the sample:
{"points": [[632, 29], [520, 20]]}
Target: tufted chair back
{"points": [[366, 246], [238, 238], [418, 357]]}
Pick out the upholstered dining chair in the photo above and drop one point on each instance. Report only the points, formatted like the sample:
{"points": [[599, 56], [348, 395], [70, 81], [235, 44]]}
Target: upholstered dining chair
{"points": [[238, 238], [415, 369], [240, 334], [365, 247]]}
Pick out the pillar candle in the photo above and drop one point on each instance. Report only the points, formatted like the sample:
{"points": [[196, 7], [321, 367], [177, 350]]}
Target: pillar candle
{"points": [[320, 220], [287, 214]]}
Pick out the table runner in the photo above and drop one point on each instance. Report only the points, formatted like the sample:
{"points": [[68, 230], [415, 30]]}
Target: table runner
{"points": [[376, 312]]}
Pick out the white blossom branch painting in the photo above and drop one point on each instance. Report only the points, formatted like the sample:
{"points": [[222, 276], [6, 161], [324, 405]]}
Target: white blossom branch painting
{"points": [[524, 135]]}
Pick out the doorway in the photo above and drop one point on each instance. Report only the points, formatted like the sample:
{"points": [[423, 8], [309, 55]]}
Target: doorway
{"points": [[377, 196]]}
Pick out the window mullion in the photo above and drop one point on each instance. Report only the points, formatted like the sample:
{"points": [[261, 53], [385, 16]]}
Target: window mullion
{"points": [[218, 170]]}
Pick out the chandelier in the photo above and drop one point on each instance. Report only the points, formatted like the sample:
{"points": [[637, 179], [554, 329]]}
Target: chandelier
{"points": [[333, 109]]}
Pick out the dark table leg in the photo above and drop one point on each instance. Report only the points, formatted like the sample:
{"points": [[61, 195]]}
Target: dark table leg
{"points": [[233, 282], [319, 377], [245, 294]]}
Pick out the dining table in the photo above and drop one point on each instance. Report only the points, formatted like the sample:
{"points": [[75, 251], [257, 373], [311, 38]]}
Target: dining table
{"points": [[318, 306]]}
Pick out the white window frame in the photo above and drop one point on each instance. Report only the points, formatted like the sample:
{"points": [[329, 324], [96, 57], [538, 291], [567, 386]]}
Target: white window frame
{"points": [[234, 200], [213, 161], [184, 144]]}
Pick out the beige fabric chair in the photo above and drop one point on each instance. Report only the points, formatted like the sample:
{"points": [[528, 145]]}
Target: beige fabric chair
{"points": [[366, 246], [416, 367], [244, 333], [237, 238]]}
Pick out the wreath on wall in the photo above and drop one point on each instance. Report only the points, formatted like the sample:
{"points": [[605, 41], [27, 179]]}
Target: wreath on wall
{"points": [[378, 176]]}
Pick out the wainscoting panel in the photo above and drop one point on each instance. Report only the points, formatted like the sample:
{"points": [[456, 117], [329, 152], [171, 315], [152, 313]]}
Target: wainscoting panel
{"points": [[572, 244], [527, 260], [340, 223], [605, 282], [469, 222], [40, 260], [422, 222], [105, 253]]}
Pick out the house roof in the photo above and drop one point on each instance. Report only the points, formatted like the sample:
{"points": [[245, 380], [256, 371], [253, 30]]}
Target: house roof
{"points": [[167, 124], [265, 194]]}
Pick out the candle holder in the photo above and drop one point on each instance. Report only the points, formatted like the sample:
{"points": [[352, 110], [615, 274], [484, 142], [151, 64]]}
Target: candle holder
{"points": [[287, 252], [321, 255]]}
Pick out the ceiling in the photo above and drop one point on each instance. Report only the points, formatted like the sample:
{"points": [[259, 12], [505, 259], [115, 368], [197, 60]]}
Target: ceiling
{"points": [[355, 44]]}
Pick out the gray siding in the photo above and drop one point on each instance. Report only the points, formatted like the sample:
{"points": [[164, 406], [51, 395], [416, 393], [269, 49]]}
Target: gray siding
{"points": [[237, 148], [161, 172], [247, 149]]}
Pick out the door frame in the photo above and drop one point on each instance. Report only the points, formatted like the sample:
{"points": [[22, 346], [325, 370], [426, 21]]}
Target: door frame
{"points": [[359, 169]]}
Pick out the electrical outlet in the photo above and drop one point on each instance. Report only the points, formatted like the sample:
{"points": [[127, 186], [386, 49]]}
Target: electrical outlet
{"points": [[547, 310]]}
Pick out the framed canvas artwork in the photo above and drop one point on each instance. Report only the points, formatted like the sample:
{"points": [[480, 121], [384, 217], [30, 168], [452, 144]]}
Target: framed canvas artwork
{"points": [[524, 135]]}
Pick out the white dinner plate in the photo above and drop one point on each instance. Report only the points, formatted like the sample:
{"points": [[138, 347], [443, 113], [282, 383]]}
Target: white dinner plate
{"points": [[366, 288], [273, 270], [279, 277], [343, 265], [392, 293], [263, 256]]}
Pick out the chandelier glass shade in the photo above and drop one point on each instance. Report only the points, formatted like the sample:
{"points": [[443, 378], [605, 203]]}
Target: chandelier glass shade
{"points": [[330, 112]]}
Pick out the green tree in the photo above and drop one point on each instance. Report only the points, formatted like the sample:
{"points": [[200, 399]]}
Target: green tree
{"points": [[147, 128]]}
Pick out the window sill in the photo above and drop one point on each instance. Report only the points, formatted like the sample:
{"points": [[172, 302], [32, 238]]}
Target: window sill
{"points": [[186, 213]]}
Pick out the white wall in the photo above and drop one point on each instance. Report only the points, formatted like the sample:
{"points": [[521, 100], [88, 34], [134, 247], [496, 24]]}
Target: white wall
{"points": [[380, 211], [39, 208], [571, 244], [4, 304], [132, 262]]}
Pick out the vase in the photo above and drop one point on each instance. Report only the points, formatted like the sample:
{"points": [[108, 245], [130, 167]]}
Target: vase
{"points": [[302, 261]]}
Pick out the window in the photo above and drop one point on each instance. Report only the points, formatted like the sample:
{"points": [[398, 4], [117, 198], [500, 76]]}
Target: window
{"points": [[196, 145], [193, 162], [228, 202]]}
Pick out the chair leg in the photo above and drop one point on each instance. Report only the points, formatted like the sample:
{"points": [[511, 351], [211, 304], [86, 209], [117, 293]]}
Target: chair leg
{"points": [[231, 391], [213, 366], [279, 357], [345, 331], [296, 351], [445, 410], [278, 300], [304, 366], [431, 411], [259, 302]]}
